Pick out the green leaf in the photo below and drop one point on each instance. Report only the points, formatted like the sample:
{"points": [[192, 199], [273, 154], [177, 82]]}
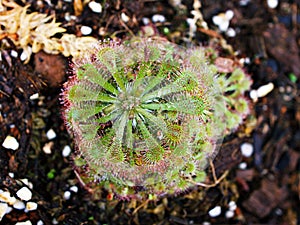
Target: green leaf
{"points": [[157, 121], [109, 117], [110, 58], [82, 114], [155, 150], [89, 131], [96, 76]]}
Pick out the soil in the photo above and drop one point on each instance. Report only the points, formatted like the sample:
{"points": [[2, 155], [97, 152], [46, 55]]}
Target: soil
{"points": [[267, 191]]}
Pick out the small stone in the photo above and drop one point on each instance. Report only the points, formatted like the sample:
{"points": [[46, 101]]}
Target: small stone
{"points": [[232, 205], [124, 17], [244, 2], [74, 189], [9, 209], [67, 195], [206, 223], [145, 20], [229, 14], [243, 165], [6, 197], [86, 30], [229, 214], [34, 96], [278, 212], [14, 54], [272, 3], [265, 89], [51, 134], [40, 222], [215, 211], [157, 18], [95, 7], [23, 56], [3, 209], [10, 143], [66, 151], [26, 182], [67, 16], [30, 206], [12, 175], [24, 193], [47, 147], [19, 205], [222, 20], [253, 95], [27, 222], [230, 32], [247, 149]]}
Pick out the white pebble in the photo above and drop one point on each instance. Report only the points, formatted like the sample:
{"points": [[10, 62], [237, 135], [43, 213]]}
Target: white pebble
{"points": [[11, 174], [229, 214], [272, 3], [34, 96], [26, 182], [40, 222], [19, 205], [253, 95], [158, 18], [244, 2], [27, 222], [222, 20], [6, 197], [95, 7], [24, 193], [67, 195], [30, 206], [247, 149], [124, 17], [51, 134], [243, 165], [232, 205], [229, 14], [215, 211], [9, 209], [47, 148], [145, 20], [261, 91], [85, 30], [14, 54], [230, 32], [54, 221], [66, 151], [206, 223], [67, 16], [74, 189], [3, 209], [10, 143], [265, 89], [23, 56]]}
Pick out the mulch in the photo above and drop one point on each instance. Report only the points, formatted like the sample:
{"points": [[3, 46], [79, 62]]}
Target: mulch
{"points": [[266, 192]]}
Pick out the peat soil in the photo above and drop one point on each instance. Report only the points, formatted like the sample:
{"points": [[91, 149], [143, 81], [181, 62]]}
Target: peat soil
{"points": [[263, 188]]}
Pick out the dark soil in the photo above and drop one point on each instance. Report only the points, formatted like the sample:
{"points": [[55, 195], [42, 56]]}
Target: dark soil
{"points": [[266, 192]]}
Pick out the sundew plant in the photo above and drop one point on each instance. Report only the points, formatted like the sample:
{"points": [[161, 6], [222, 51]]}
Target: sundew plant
{"points": [[147, 115]]}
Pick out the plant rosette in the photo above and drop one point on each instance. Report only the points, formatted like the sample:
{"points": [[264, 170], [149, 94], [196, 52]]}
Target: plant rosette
{"points": [[147, 115]]}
